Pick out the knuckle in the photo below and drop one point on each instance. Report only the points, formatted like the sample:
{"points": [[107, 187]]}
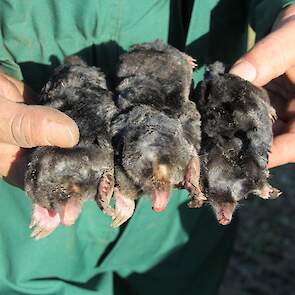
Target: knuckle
{"points": [[278, 53], [21, 129]]}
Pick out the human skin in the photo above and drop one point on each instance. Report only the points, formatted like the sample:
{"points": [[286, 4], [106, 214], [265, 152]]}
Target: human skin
{"points": [[26, 126], [271, 63]]}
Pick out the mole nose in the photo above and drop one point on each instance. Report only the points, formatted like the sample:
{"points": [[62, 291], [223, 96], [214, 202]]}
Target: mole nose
{"points": [[158, 209], [160, 200], [224, 221]]}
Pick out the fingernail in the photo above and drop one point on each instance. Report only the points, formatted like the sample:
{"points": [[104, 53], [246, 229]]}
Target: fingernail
{"points": [[245, 70], [60, 135]]}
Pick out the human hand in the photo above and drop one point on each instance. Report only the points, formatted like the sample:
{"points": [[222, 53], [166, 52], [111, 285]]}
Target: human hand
{"points": [[274, 58], [26, 126]]}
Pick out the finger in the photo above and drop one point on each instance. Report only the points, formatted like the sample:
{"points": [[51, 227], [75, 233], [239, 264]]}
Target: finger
{"points": [[283, 150], [16, 91], [27, 95], [10, 90], [291, 75], [9, 154], [286, 16], [269, 58], [29, 126], [13, 164]]}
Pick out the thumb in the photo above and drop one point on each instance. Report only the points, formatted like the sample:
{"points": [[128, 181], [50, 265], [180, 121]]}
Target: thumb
{"points": [[29, 126], [271, 57]]}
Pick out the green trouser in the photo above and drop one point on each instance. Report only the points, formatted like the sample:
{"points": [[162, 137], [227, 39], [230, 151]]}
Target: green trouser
{"points": [[178, 251]]}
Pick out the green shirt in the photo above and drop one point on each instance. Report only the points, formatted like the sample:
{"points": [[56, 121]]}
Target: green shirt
{"points": [[180, 251]]}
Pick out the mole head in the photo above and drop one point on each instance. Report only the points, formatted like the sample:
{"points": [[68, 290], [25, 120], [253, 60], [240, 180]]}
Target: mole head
{"points": [[223, 210], [225, 200], [150, 161], [225, 187], [152, 172]]}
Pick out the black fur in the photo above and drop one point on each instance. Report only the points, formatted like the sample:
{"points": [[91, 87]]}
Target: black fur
{"points": [[236, 135], [158, 123], [148, 136], [55, 173]]}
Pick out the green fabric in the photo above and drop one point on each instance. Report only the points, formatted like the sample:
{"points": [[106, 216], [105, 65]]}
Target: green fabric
{"points": [[178, 251]]}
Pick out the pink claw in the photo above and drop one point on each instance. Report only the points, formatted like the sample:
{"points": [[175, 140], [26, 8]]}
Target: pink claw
{"points": [[44, 221], [124, 208]]}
